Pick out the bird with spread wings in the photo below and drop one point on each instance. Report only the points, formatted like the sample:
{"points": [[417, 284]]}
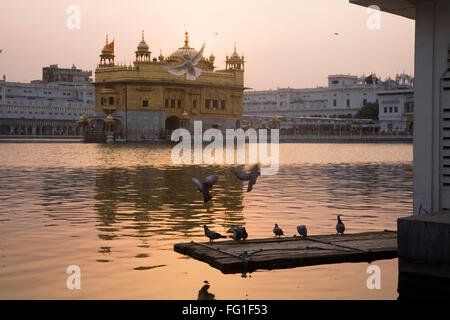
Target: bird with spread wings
{"points": [[188, 67]]}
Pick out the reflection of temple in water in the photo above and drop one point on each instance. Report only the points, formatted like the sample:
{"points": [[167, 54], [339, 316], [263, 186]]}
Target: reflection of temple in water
{"points": [[164, 200]]}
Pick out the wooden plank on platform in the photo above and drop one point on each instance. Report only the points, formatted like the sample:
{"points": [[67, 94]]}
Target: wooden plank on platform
{"points": [[273, 253]]}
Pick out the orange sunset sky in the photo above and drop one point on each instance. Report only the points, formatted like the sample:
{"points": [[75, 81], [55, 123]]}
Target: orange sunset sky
{"points": [[286, 43]]}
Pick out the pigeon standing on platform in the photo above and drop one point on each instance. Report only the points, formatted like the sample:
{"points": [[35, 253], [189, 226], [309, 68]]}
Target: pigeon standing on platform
{"points": [[238, 233], [302, 231], [248, 176], [340, 227], [205, 186], [212, 235], [277, 231], [188, 67]]}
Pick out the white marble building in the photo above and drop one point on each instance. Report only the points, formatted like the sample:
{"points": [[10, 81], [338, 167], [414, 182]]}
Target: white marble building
{"points": [[396, 113], [343, 97], [44, 108]]}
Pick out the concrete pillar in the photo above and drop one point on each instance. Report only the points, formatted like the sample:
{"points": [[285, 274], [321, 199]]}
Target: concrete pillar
{"points": [[431, 49]]}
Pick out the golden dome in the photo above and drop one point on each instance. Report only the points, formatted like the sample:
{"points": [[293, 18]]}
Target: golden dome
{"points": [[235, 56], [185, 50], [142, 46], [106, 51]]}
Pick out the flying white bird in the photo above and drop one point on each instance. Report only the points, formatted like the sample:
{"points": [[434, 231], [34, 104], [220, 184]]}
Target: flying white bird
{"points": [[188, 67]]}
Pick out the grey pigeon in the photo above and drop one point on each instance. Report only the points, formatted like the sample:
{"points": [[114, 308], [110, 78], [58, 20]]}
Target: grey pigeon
{"points": [[248, 176], [238, 233], [205, 186], [211, 234], [188, 67], [302, 231], [340, 227], [277, 230]]}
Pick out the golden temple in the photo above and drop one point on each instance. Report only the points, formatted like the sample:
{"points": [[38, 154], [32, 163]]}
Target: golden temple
{"points": [[144, 101]]}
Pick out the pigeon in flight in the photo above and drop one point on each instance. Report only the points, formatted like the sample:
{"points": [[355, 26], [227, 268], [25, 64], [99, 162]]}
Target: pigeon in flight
{"points": [[302, 231], [340, 227], [248, 176], [238, 233], [211, 234], [277, 230], [188, 67], [205, 186]]}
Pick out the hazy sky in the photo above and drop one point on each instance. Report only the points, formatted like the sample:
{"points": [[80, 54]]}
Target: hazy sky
{"points": [[286, 42]]}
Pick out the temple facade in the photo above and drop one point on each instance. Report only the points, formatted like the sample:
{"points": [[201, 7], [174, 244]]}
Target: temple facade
{"points": [[144, 101]]}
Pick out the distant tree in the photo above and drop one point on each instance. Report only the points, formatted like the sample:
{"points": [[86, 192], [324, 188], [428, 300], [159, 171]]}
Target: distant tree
{"points": [[368, 111]]}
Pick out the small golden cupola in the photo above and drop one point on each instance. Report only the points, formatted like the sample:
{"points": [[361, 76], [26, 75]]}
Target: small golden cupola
{"points": [[107, 55], [234, 62], [212, 58], [143, 53], [83, 120]]}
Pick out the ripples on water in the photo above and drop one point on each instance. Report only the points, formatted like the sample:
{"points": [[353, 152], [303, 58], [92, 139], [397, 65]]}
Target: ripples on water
{"points": [[116, 211]]}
